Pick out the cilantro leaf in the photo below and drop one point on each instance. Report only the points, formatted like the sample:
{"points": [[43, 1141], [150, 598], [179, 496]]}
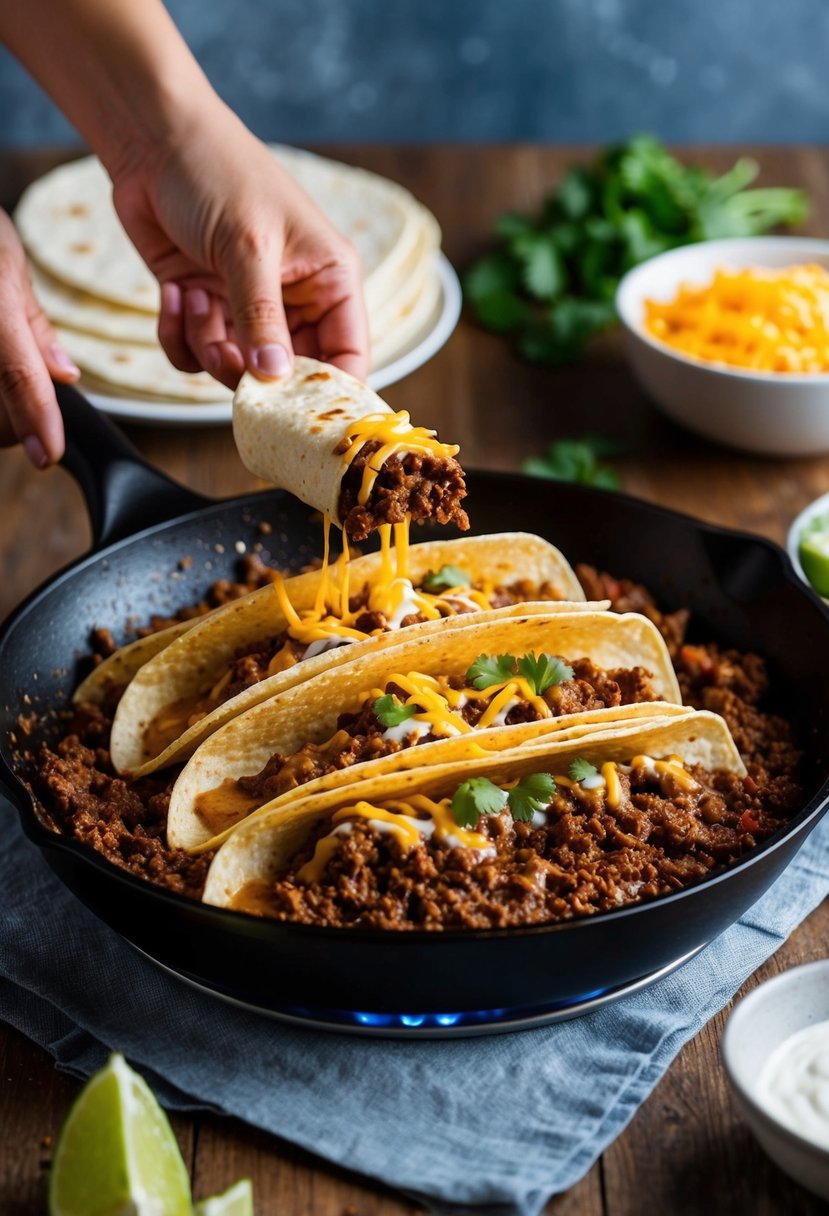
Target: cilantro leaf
{"points": [[489, 669], [543, 671], [581, 769], [576, 460], [389, 711], [550, 282], [447, 576], [532, 793], [476, 797]]}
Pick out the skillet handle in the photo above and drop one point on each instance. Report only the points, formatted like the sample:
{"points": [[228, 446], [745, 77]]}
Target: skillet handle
{"points": [[123, 493]]}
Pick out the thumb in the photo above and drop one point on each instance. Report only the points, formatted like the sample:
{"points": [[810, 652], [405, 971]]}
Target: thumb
{"points": [[258, 315]]}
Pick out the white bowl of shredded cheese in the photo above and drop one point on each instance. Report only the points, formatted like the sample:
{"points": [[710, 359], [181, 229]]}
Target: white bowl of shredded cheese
{"points": [[776, 1054], [772, 412]]}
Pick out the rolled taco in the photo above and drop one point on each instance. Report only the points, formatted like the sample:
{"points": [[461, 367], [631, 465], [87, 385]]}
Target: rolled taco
{"points": [[546, 832], [432, 699], [339, 447], [279, 636]]}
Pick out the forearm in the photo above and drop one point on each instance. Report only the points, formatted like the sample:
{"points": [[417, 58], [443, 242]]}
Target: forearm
{"points": [[118, 69]]}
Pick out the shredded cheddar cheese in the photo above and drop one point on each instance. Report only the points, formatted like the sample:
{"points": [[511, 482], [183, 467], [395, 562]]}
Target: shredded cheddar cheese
{"points": [[762, 320], [394, 433], [391, 593]]}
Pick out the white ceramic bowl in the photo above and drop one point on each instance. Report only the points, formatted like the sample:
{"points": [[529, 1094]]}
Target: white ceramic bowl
{"points": [[774, 413], [762, 1020], [819, 506]]}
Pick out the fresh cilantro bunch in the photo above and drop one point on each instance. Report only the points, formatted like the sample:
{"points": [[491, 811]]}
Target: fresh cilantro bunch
{"points": [[551, 283]]}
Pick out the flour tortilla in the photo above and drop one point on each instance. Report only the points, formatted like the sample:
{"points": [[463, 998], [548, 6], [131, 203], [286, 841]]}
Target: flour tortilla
{"points": [[287, 430], [69, 225], [308, 713], [261, 848], [76, 309], [193, 663]]}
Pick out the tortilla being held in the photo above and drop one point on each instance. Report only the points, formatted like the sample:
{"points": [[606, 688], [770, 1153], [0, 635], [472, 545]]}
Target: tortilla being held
{"points": [[544, 832], [434, 698], [337, 446], [276, 637]]}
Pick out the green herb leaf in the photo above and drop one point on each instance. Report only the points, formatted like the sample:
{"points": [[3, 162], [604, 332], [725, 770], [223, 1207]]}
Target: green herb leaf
{"points": [[447, 576], [389, 711], [476, 797], [532, 793], [581, 769], [576, 460], [551, 282], [489, 669], [543, 671]]}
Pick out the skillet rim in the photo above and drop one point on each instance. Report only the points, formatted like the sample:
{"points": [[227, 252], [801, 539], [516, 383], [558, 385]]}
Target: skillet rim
{"points": [[20, 797]]}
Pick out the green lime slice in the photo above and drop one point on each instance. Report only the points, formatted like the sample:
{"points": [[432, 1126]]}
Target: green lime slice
{"points": [[813, 551], [238, 1201], [117, 1153]]}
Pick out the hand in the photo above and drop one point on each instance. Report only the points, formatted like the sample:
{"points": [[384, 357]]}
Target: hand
{"points": [[30, 357], [250, 268]]}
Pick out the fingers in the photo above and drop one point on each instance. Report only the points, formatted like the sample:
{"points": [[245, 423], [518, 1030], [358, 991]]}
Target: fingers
{"points": [[257, 313], [328, 316], [29, 355]]}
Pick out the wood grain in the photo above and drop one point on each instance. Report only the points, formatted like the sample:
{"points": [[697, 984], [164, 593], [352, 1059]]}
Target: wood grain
{"points": [[687, 1150]]}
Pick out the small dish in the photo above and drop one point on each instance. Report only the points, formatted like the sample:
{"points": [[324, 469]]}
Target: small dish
{"points": [[773, 413], [761, 1021], [819, 506]]}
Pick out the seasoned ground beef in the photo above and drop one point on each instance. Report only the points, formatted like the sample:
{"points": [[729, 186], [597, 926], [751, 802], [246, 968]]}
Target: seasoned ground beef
{"points": [[422, 486], [126, 821], [589, 862]]}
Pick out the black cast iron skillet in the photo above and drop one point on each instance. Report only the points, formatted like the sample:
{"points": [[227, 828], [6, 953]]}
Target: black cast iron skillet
{"points": [[742, 592]]}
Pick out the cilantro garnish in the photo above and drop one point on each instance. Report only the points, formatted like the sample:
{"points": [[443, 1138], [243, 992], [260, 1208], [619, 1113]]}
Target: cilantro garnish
{"points": [[577, 460], [389, 711], [489, 669], [447, 576], [581, 769], [476, 797], [551, 281], [543, 671], [532, 793]]}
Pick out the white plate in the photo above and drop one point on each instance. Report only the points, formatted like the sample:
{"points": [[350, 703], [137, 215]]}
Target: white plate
{"points": [[433, 336]]}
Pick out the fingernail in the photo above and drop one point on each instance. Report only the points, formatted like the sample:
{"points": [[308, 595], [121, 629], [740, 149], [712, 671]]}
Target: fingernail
{"points": [[171, 299], [35, 451], [61, 359], [212, 359], [197, 302], [272, 360]]}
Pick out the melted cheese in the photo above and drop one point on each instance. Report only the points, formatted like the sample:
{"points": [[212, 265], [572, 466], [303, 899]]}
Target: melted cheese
{"points": [[395, 434]]}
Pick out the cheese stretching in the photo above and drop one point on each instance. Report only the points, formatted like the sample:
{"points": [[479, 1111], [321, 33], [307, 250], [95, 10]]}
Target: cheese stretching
{"points": [[340, 448]]}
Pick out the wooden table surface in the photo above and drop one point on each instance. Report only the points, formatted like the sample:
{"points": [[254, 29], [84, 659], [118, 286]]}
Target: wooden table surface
{"points": [[687, 1150]]}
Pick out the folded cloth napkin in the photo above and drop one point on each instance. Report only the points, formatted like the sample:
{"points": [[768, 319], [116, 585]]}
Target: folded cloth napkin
{"points": [[493, 1125]]}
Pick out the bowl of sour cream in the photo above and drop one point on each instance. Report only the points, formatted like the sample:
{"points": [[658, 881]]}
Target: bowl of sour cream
{"points": [[776, 1054]]}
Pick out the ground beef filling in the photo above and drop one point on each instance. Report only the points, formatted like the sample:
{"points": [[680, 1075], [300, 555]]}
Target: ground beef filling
{"points": [[585, 859], [585, 871], [421, 486], [125, 821], [359, 736]]}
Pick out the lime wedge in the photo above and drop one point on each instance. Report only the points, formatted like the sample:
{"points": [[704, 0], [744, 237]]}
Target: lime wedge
{"points": [[117, 1155], [813, 551], [238, 1201]]}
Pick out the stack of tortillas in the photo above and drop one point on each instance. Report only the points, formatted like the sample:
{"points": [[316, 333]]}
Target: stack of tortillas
{"points": [[104, 301]]}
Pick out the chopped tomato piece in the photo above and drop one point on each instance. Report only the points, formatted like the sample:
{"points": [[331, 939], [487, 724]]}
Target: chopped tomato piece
{"points": [[748, 822]]}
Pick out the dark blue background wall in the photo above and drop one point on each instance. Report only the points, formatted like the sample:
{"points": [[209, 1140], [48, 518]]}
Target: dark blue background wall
{"points": [[557, 70]]}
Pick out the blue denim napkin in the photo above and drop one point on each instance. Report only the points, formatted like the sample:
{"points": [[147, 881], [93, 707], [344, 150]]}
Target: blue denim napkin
{"points": [[493, 1125]]}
